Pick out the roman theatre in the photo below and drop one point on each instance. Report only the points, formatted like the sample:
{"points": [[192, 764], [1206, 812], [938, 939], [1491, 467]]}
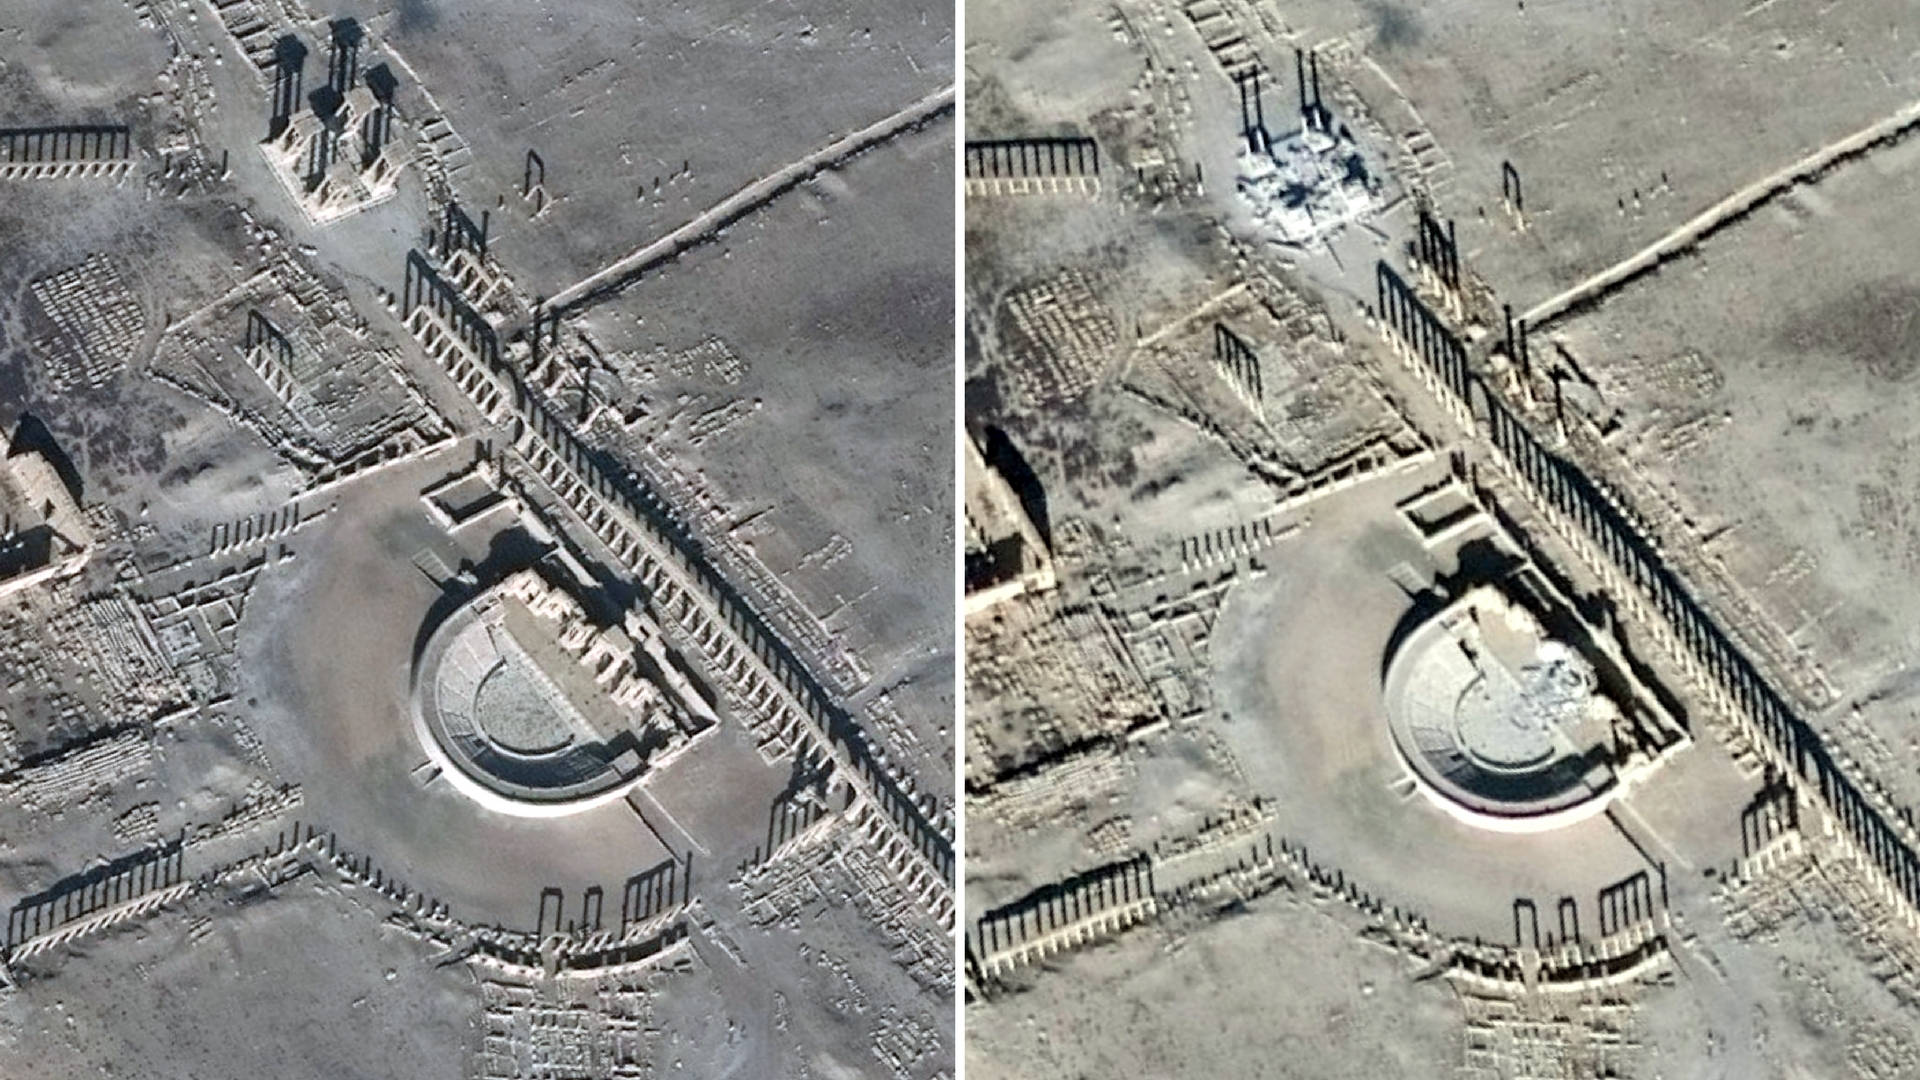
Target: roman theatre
{"points": [[1500, 725], [531, 709]]}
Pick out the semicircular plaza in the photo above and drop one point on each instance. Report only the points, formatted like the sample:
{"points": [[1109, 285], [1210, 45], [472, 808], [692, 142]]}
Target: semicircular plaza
{"points": [[1424, 710]]}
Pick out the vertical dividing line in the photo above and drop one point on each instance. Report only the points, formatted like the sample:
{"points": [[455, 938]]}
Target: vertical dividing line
{"points": [[958, 555]]}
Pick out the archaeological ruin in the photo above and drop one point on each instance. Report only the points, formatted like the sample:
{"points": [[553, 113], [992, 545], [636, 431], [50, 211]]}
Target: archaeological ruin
{"points": [[532, 710], [472, 595]]}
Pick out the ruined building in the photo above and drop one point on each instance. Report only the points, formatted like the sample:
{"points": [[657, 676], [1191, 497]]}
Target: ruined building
{"points": [[43, 534], [340, 154]]}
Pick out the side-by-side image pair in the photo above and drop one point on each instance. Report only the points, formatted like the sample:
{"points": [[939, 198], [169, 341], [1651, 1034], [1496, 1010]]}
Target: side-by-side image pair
{"points": [[591, 540]]}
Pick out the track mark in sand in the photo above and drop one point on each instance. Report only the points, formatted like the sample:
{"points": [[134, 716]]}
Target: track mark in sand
{"points": [[218, 302], [626, 269], [1204, 308], [1728, 211]]}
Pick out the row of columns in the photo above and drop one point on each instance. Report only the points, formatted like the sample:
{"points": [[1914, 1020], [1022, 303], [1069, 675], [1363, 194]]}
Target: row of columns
{"points": [[649, 893], [541, 430], [424, 287], [343, 54], [1773, 812], [1239, 364], [82, 896], [1781, 737], [564, 451], [458, 232], [1027, 158], [776, 658], [289, 65], [1630, 902], [1602, 522], [234, 535], [375, 129], [1402, 314], [789, 817], [64, 145], [1599, 519], [1313, 110], [1438, 250], [269, 353], [260, 330], [1253, 113], [1055, 907], [321, 150]]}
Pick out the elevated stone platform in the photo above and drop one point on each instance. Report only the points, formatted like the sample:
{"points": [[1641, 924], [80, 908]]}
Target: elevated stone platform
{"points": [[1500, 725], [531, 710]]}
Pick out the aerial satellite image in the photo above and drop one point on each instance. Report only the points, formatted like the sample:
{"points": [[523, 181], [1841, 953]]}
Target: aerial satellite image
{"points": [[1439, 540], [477, 539]]}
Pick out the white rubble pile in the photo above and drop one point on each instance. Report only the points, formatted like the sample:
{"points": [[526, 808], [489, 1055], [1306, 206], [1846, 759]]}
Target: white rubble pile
{"points": [[1307, 187]]}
